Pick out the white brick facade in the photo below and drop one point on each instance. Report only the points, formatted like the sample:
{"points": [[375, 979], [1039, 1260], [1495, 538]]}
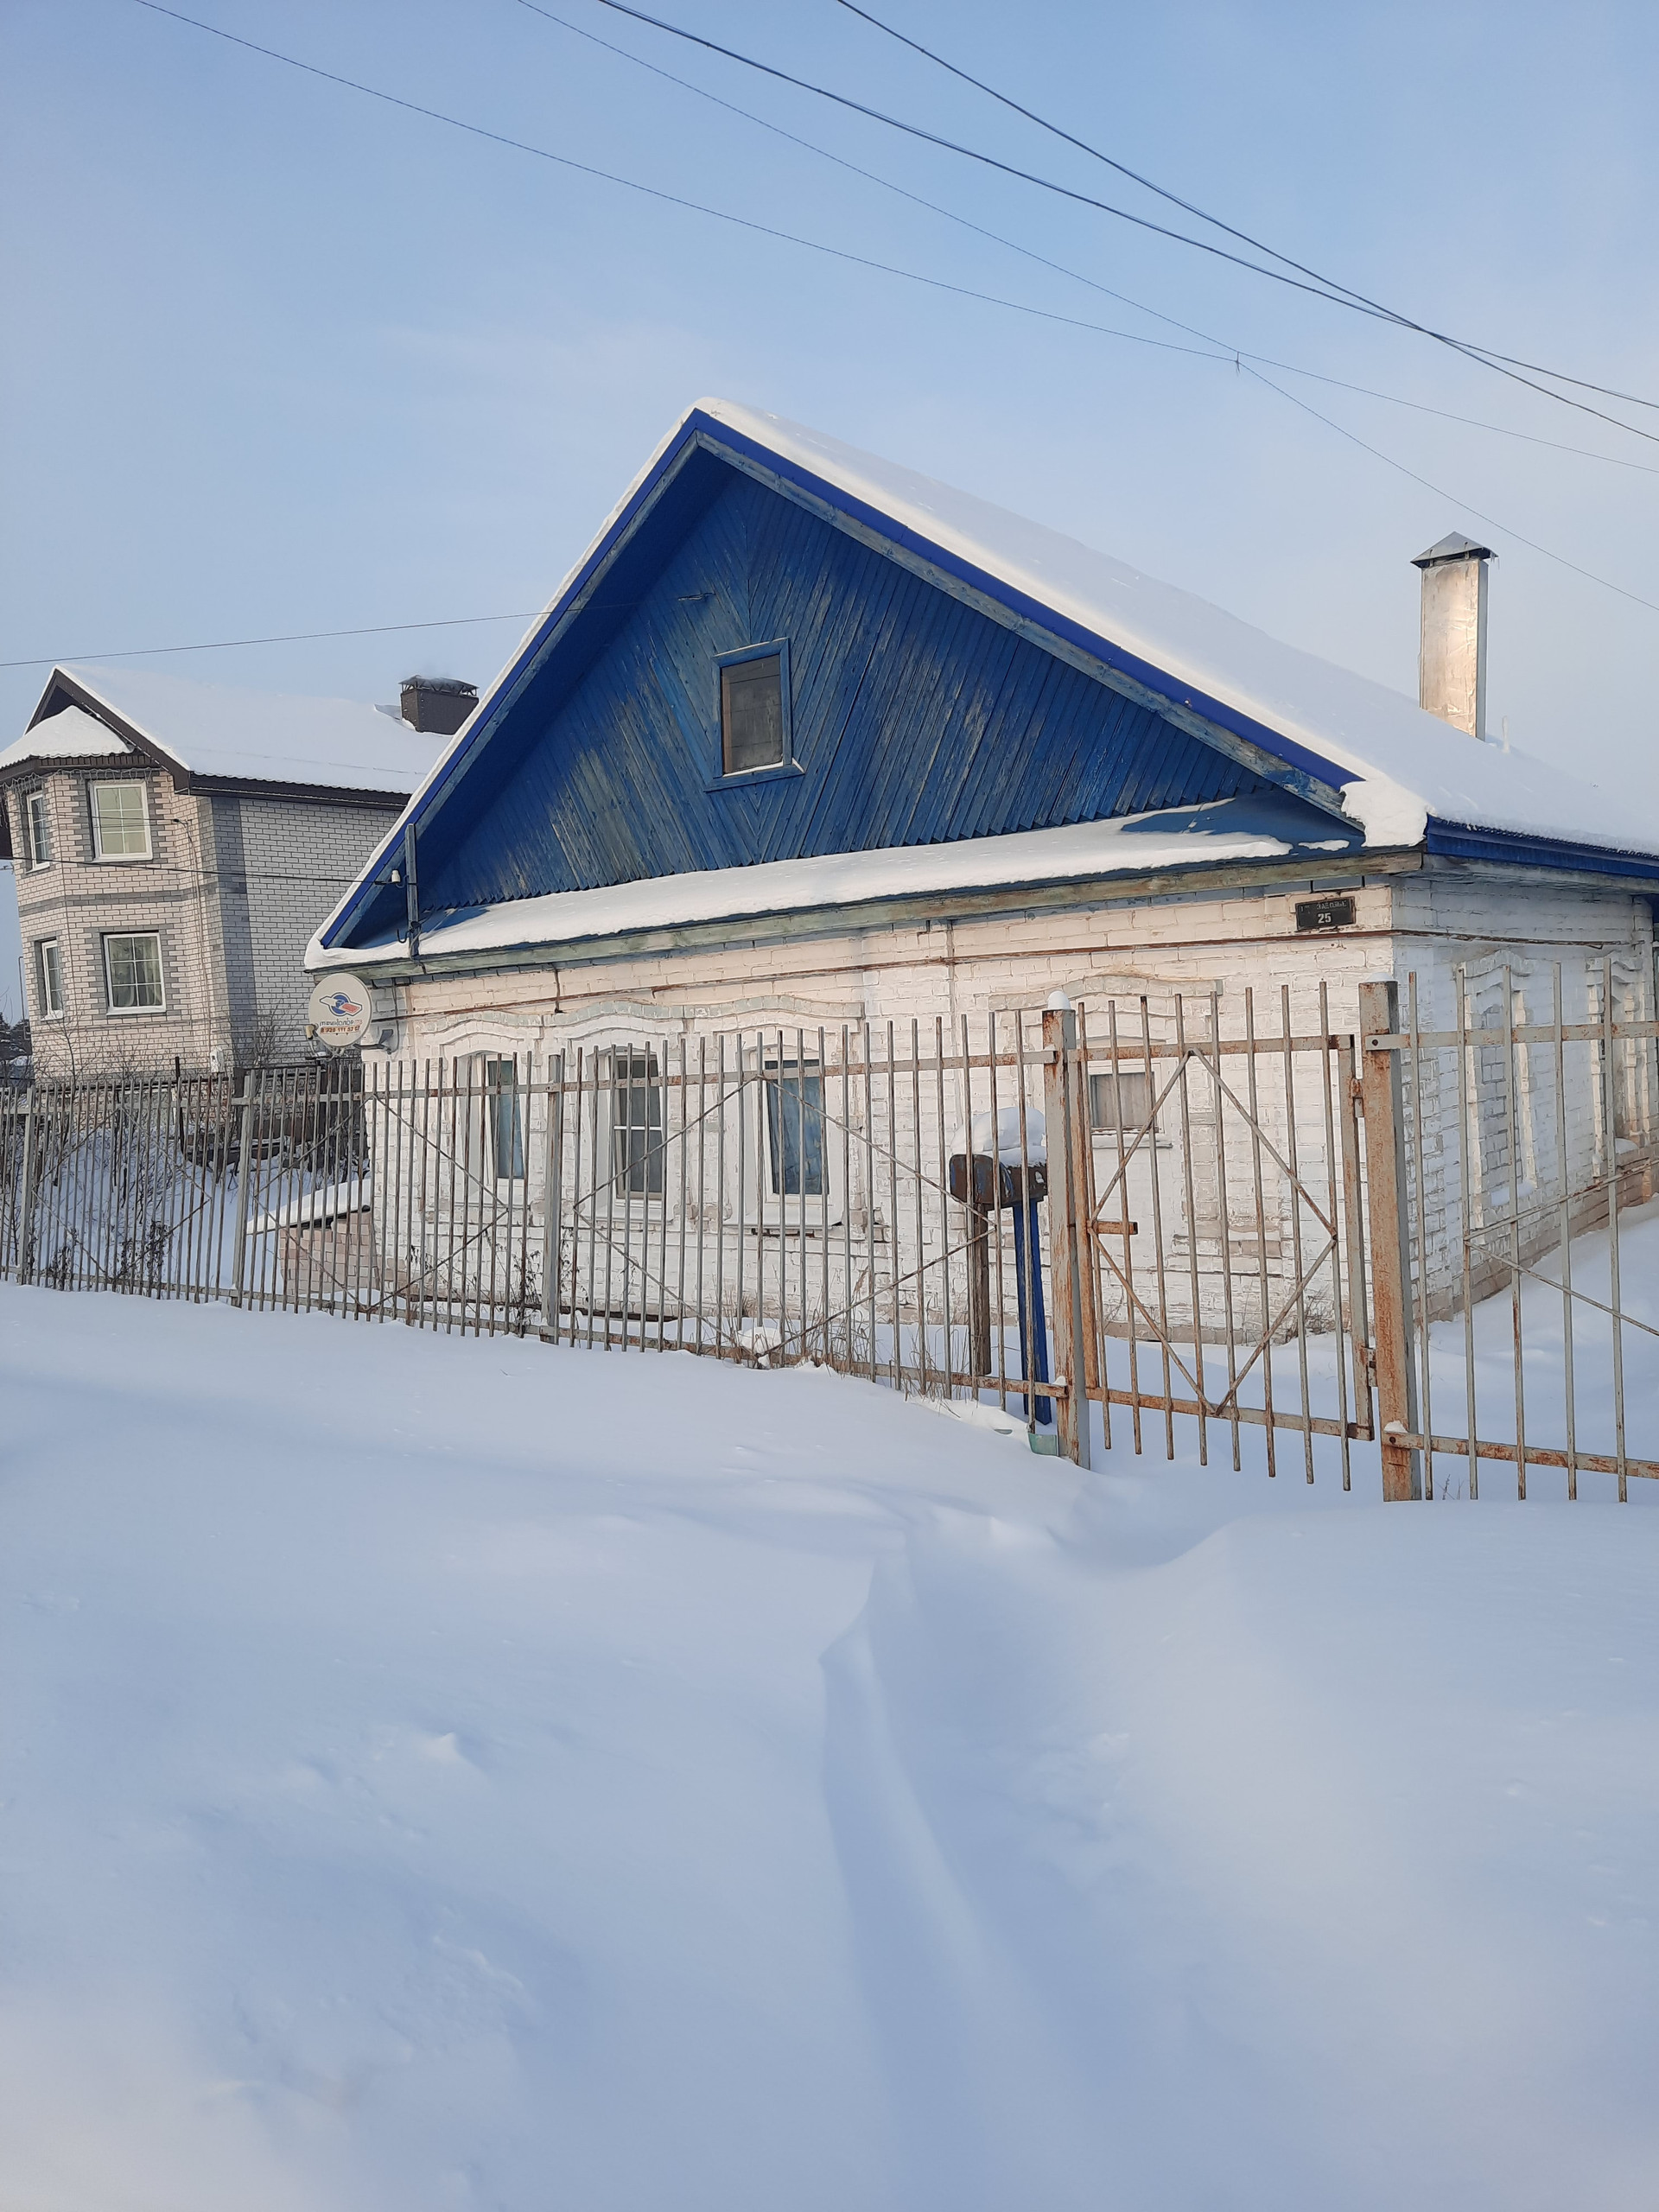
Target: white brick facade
{"points": [[1232, 940]]}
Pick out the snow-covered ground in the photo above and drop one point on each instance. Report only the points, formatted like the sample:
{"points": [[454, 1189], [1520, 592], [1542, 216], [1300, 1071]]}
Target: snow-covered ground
{"points": [[442, 1774]]}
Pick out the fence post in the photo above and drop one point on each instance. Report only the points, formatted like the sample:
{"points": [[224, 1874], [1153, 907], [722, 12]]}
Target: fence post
{"points": [[25, 1202], [1385, 1178], [553, 1198], [1067, 1201], [244, 1177]]}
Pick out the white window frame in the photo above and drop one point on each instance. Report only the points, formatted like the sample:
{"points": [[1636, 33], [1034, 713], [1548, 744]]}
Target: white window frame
{"points": [[49, 975], [37, 831], [788, 1210], [126, 1013], [654, 1053], [120, 784]]}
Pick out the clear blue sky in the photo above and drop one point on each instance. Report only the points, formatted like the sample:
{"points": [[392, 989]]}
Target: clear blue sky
{"points": [[277, 356]]}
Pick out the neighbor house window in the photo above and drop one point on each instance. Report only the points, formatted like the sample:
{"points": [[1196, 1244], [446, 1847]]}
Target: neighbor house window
{"points": [[506, 1113], [132, 970], [39, 831], [1119, 1102], [754, 711], [48, 976], [637, 1123], [795, 1129], [120, 822]]}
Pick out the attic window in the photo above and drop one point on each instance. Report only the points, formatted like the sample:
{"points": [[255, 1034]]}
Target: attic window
{"points": [[754, 710]]}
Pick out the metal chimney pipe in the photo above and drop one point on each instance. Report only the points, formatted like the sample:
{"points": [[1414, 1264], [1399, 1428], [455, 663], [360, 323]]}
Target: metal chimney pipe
{"points": [[1452, 656]]}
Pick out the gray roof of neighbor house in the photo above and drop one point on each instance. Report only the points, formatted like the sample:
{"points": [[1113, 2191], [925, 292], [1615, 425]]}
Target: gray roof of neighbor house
{"points": [[214, 737]]}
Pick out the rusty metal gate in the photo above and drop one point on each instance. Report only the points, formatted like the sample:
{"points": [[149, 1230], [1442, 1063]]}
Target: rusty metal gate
{"points": [[1220, 1178]]}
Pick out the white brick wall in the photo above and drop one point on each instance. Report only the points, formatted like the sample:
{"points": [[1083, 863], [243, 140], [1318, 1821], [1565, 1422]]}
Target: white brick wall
{"points": [[1244, 943]]}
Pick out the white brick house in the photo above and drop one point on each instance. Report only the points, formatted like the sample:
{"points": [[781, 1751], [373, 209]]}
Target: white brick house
{"points": [[175, 845], [990, 763]]}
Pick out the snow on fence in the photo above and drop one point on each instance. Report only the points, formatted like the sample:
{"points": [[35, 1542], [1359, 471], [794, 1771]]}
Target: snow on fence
{"points": [[1215, 1226]]}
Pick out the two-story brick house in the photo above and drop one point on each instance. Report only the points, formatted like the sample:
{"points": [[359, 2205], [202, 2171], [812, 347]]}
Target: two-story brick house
{"points": [[175, 844]]}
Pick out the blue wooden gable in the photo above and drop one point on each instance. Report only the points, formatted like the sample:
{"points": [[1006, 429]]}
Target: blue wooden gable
{"points": [[916, 717]]}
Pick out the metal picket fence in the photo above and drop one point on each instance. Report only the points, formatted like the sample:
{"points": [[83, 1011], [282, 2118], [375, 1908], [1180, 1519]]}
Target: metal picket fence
{"points": [[1227, 1228]]}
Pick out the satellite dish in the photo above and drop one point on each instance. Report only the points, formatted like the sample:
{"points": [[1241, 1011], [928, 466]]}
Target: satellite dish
{"points": [[340, 1012]]}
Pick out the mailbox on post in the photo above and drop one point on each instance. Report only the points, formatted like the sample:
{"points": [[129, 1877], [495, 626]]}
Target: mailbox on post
{"points": [[1008, 1168]]}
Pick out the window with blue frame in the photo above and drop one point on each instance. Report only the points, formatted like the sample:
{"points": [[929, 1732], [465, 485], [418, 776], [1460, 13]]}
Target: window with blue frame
{"points": [[754, 711]]}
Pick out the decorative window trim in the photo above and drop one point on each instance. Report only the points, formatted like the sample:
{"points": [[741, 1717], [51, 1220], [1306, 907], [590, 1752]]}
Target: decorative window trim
{"points": [[49, 978], [132, 1012], [41, 855], [120, 783], [742, 778]]}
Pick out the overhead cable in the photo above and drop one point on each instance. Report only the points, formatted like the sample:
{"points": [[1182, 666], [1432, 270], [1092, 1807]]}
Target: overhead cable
{"points": [[288, 638], [1245, 237], [1225, 348], [1321, 289], [1440, 492], [839, 253]]}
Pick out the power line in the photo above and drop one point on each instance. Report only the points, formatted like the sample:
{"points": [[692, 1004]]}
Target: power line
{"points": [[839, 253], [1322, 288], [1319, 290], [288, 638], [1440, 492], [1469, 346], [669, 198], [1225, 350]]}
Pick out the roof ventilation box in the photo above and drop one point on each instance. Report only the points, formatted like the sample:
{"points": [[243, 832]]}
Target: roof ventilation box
{"points": [[438, 703]]}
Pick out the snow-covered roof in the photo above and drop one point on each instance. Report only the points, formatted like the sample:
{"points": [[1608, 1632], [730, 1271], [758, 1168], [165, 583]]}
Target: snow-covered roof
{"points": [[72, 735], [1400, 774], [212, 730], [1264, 827], [1398, 764]]}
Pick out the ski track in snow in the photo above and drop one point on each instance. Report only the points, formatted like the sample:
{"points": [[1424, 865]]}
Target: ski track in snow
{"points": [[453, 1774]]}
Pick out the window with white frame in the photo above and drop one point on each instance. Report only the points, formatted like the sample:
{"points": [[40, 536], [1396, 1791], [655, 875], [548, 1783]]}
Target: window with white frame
{"points": [[132, 972], [637, 1136], [48, 977], [799, 1171], [795, 1161], [38, 821], [120, 821], [504, 1105]]}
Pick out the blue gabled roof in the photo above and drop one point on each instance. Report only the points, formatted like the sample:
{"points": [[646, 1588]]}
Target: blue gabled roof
{"points": [[1313, 730]]}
